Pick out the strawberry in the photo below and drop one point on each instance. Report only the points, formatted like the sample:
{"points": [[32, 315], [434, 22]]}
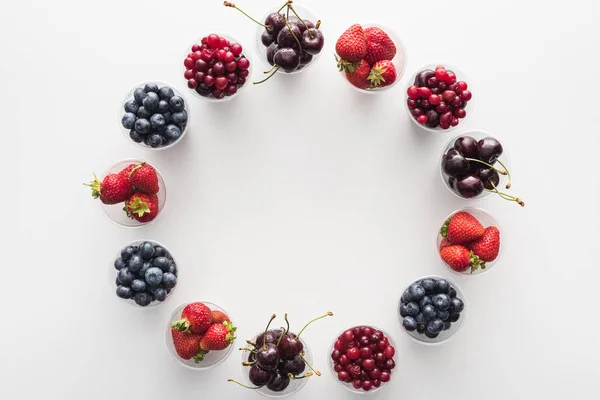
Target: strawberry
{"points": [[142, 207], [488, 246], [444, 243], [379, 46], [459, 258], [462, 228], [219, 317], [143, 178], [382, 74], [218, 337], [352, 45], [187, 345], [127, 170], [196, 318], [113, 189], [356, 73]]}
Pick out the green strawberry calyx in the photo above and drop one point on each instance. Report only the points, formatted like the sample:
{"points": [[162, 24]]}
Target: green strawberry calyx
{"points": [[376, 75], [199, 357], [230, 337], [444, 229], [96, 187], [137, 206], [183, 325], [345, 66], [475, 262]]}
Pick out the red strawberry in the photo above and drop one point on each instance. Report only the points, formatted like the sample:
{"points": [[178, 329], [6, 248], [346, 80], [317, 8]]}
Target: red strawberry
{"points": [[127, 170], [382, 74], [444, 243], [488, 246], [462, 228], [459, 258], [196, 318], [356, 73], [113, 189], [187, 345], [143, 178], [219, 317], [352, 45], [142, 207], [218, 337], [379, 46]]}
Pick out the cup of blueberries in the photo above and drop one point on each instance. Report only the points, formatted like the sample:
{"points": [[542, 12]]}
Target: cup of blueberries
{"points": [[154, 115]]}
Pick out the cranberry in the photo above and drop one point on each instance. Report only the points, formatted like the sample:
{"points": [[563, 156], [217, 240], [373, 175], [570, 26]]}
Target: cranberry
{"points": [[357, 384], [376, 383], [344, 360], [412, 103], [368, 364], [413, 92], [424, 92], [244, 74], [209, 71], [335, 355], [367, 385], [348, 336], [338, 368], [462, 85], [218, 94], [390, 364], [339, 345], [454, 88], [381, 345], [204, 40], [243, 63], [232, 78], [206, 55], [454, 121], [195, 47], [229, 57], [422, 119], [456, 102], [188, 62], [434, 99], [379, 335], [375, 373], [366, 352], [209, 80], [221, 54], [433, 82], [231, 66], [448, 96], [368, 331], [226, 48], [223, 42], [343, 376], [441, 74], [192, 84], [450, 78], [445, 119], [416, 112], [188, 74], [442, 107], [353, 353], [379, 357], [442, 86], [460, 113], [436, 90], [466, 95], [364, 375], [236, 49], [199, 76], [213, 41], [425, 104], [201, 65], [354, 370], [241, 81], [231, 90], [385, 376], [389, 352], [203, 46], [364, 341]]}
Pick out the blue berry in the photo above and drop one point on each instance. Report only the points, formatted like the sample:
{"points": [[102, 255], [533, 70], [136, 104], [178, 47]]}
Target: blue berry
{"points": [[429, 285], [169, 280], [442, 286], [405, 297], [127, 252], [131, 106], [420, 318], [138, 285], [139, 95], [119, 264], [454, 317], [176, 103], [151, 87], [447, 325], [142, 272], [168, 116], [424, 301], [159, 251], [135, 263], [151, 101], [157, 122], [143, 113], [125, 277], [160, 294], [154, 276], [142, 298], [163, 263], [412, 309], [456, 305], [124, 292], [443, 315], [441, 301], [180, 118], [409, 323], [452, 293], [163, 107], [431, 335], [429, 312], [136, 136], [403, 310], [143, 126], [435, 326], [147, 250], [155, 140], [165, 93], [173, 269], [172, 132], [416, 292]]}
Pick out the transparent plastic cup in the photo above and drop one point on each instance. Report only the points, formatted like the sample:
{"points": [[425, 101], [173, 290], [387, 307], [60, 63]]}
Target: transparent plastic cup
{"points": [[399, 60], [460, 76], [306, 14], [129, 96], [348, 385], [477, 134], [212, 358], [115, 212], [295, 385], [240, 89], [444, 335], [486, 220], [113, 274]]}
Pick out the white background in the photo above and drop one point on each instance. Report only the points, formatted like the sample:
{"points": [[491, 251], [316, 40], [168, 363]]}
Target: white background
{"points": [[299, 196]]}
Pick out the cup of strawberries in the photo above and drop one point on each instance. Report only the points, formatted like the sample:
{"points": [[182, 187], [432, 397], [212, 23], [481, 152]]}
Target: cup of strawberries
{"points": [[370, 57]]}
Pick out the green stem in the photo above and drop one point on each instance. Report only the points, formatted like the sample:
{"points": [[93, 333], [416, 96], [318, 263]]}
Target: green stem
{"points": [[508, 184], [294, 378], [283, 6], [310, 366], [242, 385], [266, 329], [292, 32], [283, 332], [506, 196], [301, 20], [287, 322], [270, 69], [328, 314], [267, 78], [229, 4], [489, 165]]}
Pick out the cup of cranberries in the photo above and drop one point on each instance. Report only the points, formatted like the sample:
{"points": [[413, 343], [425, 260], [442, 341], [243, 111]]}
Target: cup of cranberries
{"points": [[438, 97], [468, 241], [370, 57], [216, 67], [277, 362], [288, 38], [132, 192], [474, 166], [363, 358], [432, 309]]}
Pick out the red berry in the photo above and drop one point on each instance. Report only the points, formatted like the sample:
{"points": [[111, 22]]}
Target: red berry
{"points": [[357, 384], [344, 360], [338, 368], [206, 55], [466, 95], [204, 40], [368, 364], [366, 352], [367, 385], [353, 353], [433, 82], [462, 85], [213, 41], [413, 92], [416, 112], [454, 121], [231, 66], [236, 49], [199, 76], [188, 74], [209, 80], [244, 74], [456, 102], [389, 352], [375, 374], [241, 81], [188, 62], [203, 46], [441, 74], [450, 78], [339, 345], [232, 78], [218, 68], [347, 336], [221, 82], [218, 94], [195, 47], [376, 383], [422, 119], [412, 103], [192, 84], [425, 105], [460, 113], [343, 376], [229, 57], [442, 108], [231, 90], [221, 54], [197, 55], [424, 92], [243, 63], [385, 376], [448, 96], [201, 65], [223, 42], [446, 118], [434, 99]]}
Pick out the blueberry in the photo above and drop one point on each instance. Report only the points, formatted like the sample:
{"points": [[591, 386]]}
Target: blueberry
{"points": [[447, 325], [151, 87], [424, 301], [441, 301], [160, 294], [180, 118], [429, 312], [138, 285], [176, 103], [136, 136], [165, 93], [131, 106], [117, 281], [173, 269], [452, 292], [143, 126], [125, 277], [127, 252], [412, 309], [119, 264], [142, 298], [162, 262], [409, 323], [169, 280], [154, 140], [142, 272], [163, 107], [403, 310], [420, 318], [159, 251], [151, 101], [147, 250], [435, 326], [139, 95], [442, 286], [429, 285], [153, 276], [143, 113], [405, 297], [431, 335], [421, 328], [168, 116], [456, 305], [172, 132], [443, 315], [416, 292], [157, 122], [124, 292], [135, 263], [454, 317]]}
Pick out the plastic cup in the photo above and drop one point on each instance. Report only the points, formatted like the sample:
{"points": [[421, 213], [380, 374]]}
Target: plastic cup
{"points": [[212, 358]]}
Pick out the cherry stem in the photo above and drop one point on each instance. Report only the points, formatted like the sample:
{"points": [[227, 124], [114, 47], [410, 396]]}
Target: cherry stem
{"points": [[267, 78], [266, 329], [318, 24], [292, 32], [242, 385], [283, 6], [247, 363], [270, 69], [247, 349], [310, 366], [508, 184], [251, 343], [304, 23], [506, 196], [287, 322], [501, 172], [283, 332], [328, 314], [294, 378], [229, 4]]}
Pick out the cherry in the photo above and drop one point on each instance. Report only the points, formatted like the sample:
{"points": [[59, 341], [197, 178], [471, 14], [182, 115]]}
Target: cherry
{"points": [[413, 92], [489, 150], [287, 37], [286, 58], [259, 376], [353, 353], [236, 49], [312, 41], [274, 22], [489, 177], [278, 382], [454, 164], [267, 356], [295, 366], [290, 346], [268, 337], [467, 146], [469, 186], [213, 41], [188, 62]]}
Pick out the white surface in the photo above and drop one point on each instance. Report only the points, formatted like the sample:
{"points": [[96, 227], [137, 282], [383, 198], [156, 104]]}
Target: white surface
{"points": [[300, 196]]}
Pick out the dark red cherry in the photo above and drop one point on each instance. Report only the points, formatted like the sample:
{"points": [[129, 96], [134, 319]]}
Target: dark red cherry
{"points": [[467, 146], [489, 177], [469, 186], [454, 164], [489, 150]]}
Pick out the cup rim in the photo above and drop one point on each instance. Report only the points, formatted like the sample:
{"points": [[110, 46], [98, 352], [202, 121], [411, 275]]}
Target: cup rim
{"points": [[432, 65], [459, 325]]}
